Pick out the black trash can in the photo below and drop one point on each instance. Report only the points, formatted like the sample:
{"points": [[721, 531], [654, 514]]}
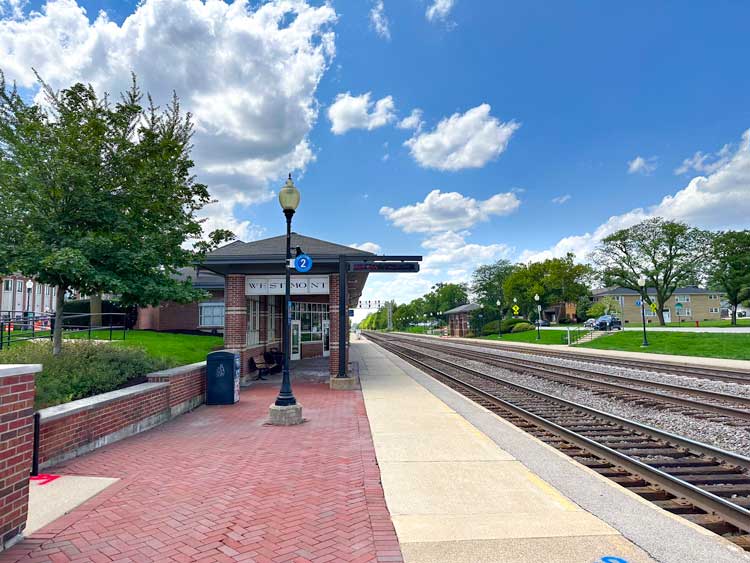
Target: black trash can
{"points": [[222, 378]]}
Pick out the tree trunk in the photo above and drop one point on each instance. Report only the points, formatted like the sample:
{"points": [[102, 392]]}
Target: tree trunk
{"points": [[660, 314], [95, 308], [57, 333], [734, 315]]}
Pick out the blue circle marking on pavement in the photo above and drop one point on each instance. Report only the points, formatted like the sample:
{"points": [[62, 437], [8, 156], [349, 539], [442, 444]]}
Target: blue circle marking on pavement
{"points": [[611, 559], [303, 263]]}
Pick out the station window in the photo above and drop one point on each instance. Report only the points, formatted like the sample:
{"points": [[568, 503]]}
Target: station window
{"points": [[38, 289], [311, 317], [211, 314], [7, 285], [19, 286], [271, 325], [253, 321], [47, 289]]}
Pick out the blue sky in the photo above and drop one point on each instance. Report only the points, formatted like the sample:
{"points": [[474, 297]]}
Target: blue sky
{"points": [[607, 108]]}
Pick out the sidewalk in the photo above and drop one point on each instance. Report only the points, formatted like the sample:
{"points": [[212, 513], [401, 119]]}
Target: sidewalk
{"points": [[218, 485]]}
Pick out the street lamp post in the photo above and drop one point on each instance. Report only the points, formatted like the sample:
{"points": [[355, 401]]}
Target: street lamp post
{"points": [[499, 319], [289, 199], [538, 317], [29, 287], [642, 284], [481, 319]]}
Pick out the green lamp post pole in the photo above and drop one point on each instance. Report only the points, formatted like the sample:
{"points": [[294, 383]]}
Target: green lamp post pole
{"points": [[538, 318], [642, 284]]}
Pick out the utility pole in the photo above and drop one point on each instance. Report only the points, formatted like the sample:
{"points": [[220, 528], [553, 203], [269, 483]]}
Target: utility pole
{"points": [[390, 315]]}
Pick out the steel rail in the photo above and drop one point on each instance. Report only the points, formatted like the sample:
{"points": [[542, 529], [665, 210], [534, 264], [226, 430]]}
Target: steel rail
{"points": [[692, 370], [539, 366], [705, 500]]}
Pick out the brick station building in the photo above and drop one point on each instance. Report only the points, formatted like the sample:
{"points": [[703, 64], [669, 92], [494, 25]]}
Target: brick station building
{"points": [[253, 297]]}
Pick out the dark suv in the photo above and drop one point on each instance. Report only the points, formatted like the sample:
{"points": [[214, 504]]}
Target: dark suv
{"points": [[608, 322]]}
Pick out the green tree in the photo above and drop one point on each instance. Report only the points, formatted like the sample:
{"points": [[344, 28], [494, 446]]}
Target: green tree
{"points": [[604, 306], [487, 284], [98, 196], [668, 254], [445, 296], [730, 267]]}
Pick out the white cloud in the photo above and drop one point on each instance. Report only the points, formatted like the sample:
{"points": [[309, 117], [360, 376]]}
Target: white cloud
{"points": [[358, 112], [446, 211], [641, 165], [13, 9], [706, 163], [468, 140], [379, 20], [559, 200], [248, 75], [720, 200], [367, 247], [412, 121], [439, 9]]}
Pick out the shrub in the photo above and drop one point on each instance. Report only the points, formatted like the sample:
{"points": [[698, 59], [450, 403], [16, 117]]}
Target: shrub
{"points": [[82, 369], [492, 327], [508, 324], [522, 327]]}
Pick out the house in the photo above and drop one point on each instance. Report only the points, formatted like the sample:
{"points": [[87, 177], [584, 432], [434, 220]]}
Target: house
{"points": [[560, 311], [22, 295], [687, 304]]}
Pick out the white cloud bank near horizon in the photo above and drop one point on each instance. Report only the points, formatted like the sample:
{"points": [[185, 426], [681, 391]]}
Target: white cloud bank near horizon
{"points": [[248, 74]]}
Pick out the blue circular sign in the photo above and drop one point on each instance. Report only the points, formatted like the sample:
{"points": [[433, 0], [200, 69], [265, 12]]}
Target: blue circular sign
{"points": [[303, 263]]}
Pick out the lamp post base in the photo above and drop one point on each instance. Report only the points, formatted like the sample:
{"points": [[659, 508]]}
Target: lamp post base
{"points": [[343, 383], [285, 416]]}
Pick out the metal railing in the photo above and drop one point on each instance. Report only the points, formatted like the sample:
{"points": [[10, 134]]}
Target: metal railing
{"points": [[18, 327]]}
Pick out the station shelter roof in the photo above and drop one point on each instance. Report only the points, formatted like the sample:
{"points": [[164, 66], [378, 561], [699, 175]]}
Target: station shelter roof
{"points": [[467, 308]]}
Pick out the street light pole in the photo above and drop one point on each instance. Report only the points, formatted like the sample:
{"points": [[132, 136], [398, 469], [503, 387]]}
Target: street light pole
{"points": [[538, 317], [642, 284], [499, 319], [289, 199]]}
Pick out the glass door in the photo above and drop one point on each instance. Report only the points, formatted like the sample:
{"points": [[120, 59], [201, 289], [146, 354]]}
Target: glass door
{"points": [[326, 338], [296, 340]]}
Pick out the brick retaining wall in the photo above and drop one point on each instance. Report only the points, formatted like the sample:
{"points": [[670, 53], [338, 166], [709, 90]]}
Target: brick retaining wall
{"points": [[16, 445], [75, 428]]}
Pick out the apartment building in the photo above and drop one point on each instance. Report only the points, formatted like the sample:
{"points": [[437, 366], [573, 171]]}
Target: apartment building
{"points": [[687, 304], [20, 294]]}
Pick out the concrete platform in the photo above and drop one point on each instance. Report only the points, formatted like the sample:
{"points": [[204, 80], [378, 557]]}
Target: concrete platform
{"points": [[462, 485], [721, 363]]}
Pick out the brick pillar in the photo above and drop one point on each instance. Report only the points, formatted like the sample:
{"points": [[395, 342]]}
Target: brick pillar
{"points": [[16, 445], [333, 315], [235, 317]]}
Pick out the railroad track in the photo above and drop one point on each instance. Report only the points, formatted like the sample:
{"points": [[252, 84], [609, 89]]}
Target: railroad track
{"points": [[704, 484], [698, 403], [700, 372]]}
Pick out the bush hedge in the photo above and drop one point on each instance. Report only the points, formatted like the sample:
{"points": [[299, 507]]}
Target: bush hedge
{"points": [[522, 327], [492, 327], [82, 370], [508, 324]]}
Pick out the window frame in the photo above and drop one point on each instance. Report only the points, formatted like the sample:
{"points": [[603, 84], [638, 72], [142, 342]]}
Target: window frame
{"points": [[213, 316], [253, 321]]}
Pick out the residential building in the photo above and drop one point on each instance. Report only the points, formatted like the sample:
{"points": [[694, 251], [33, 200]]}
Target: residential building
{"points": [[459, 319], [687, 304], [18, 297]]}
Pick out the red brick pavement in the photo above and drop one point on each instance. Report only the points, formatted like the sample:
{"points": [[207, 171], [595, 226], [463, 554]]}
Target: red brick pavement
{"points": [[218, 485]]}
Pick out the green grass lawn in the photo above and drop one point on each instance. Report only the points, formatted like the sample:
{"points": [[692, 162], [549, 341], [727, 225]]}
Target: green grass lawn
{"points": [[548, 337], [175, 349], [710, 345], [724, 323]]}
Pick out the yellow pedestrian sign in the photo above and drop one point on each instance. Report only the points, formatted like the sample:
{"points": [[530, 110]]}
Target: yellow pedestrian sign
{"points": [[516, 309], [653, 307]]}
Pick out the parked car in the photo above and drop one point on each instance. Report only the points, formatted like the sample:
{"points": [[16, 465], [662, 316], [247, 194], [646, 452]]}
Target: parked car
{"points": [[590, 323], [542, 322], [608, 322]]}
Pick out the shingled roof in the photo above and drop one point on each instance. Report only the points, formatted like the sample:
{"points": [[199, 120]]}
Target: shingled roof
{"points": [[275, 247]]}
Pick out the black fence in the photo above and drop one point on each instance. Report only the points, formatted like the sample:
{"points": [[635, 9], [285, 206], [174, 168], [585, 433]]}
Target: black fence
{"points": [[18, 327]]}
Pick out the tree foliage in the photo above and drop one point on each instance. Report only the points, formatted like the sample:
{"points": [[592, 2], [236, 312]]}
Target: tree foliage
{"points": [[487, 285], [669, 254], [99, 196], [730, 267]]}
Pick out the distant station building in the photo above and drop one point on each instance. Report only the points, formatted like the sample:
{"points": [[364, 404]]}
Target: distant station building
{"points": [[459, 321], [22, 296]]}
